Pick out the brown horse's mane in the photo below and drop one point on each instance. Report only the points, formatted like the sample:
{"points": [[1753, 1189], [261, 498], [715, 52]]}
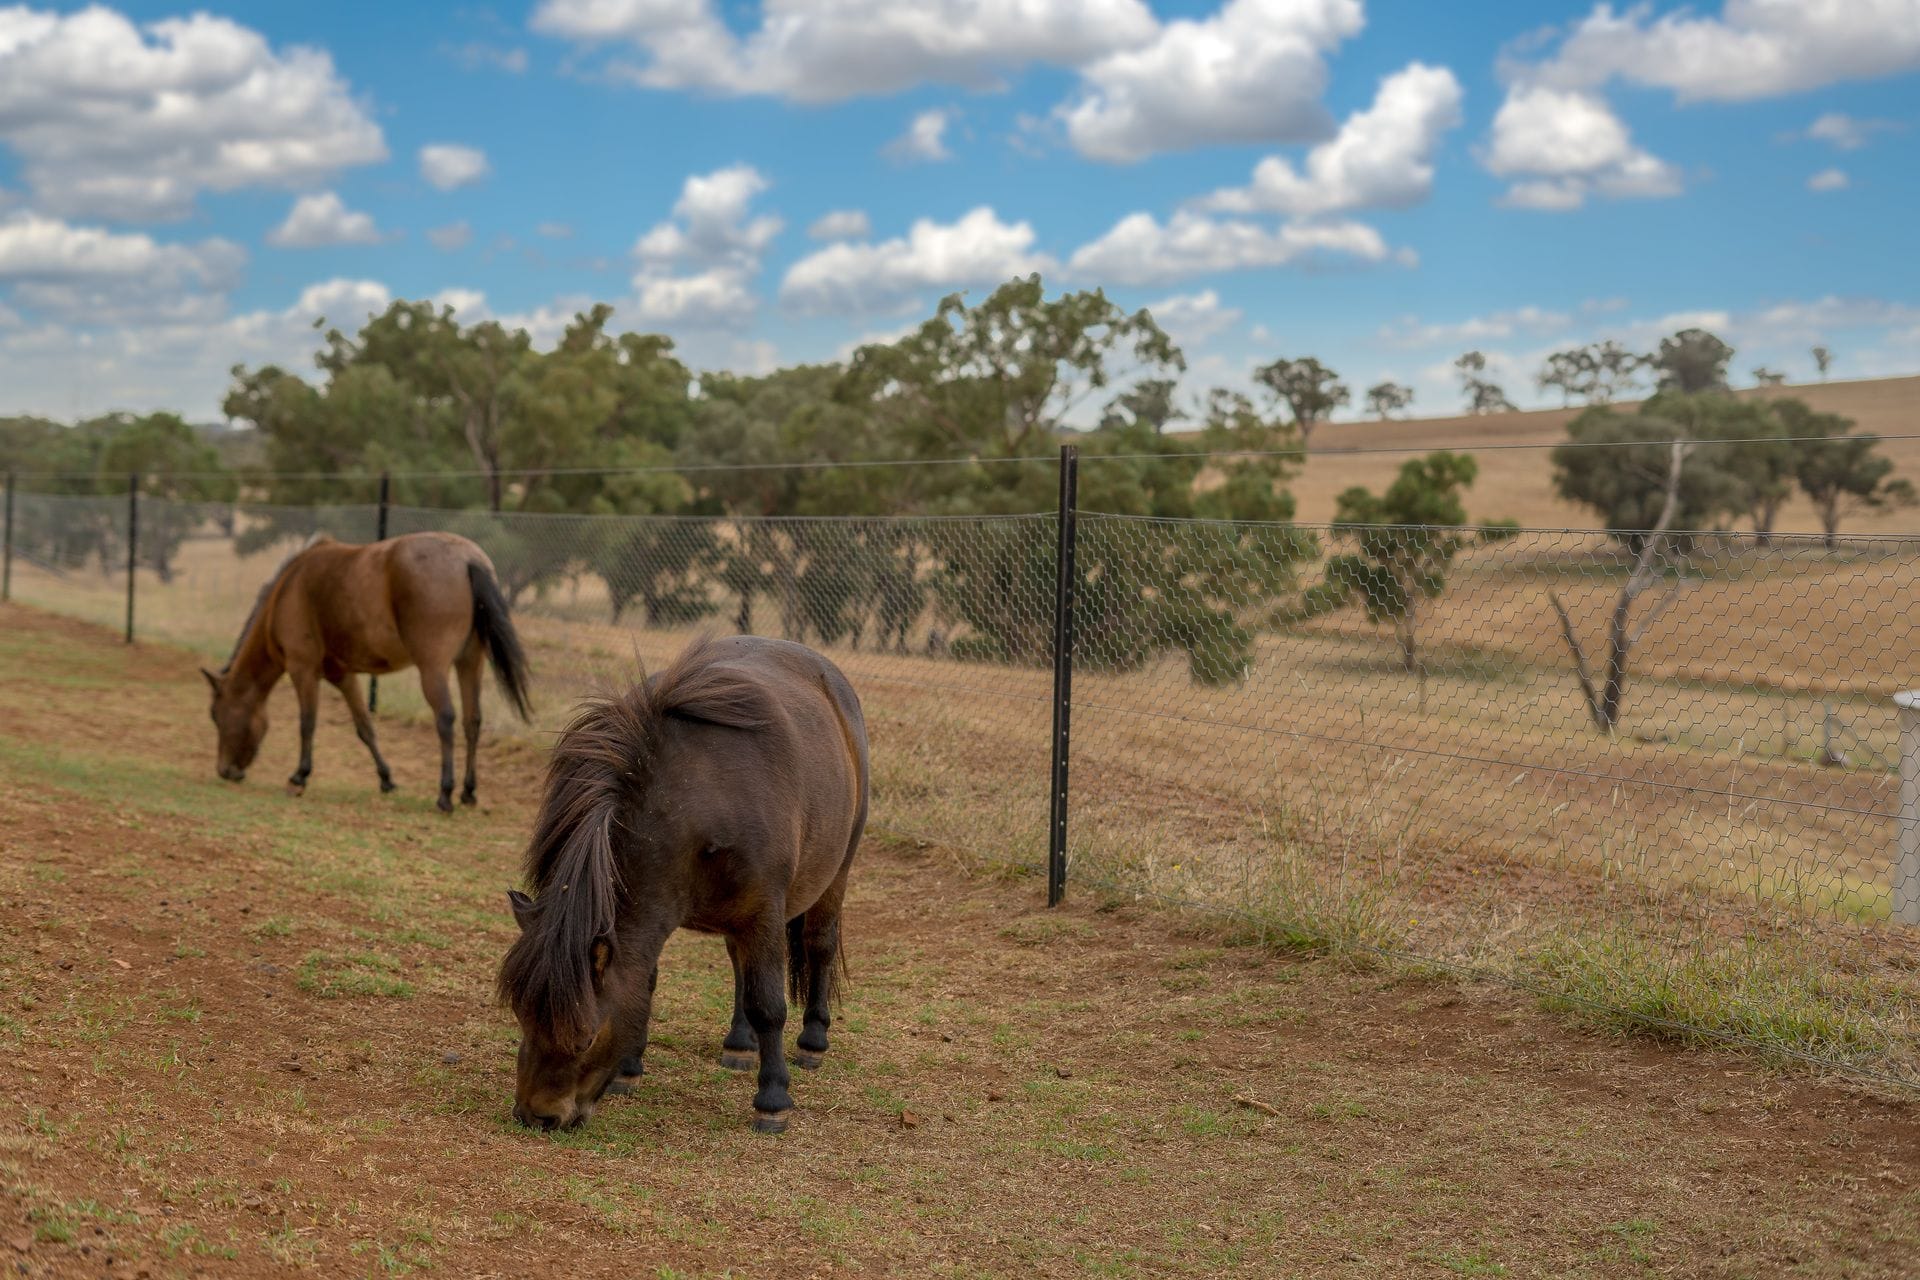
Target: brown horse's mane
{"points": [[601, 762], [266, 590]]}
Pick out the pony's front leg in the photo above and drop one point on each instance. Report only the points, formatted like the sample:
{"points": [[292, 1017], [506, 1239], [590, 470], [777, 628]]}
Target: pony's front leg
{"points": [[306, 686], [626, 1078], [763, 969]]}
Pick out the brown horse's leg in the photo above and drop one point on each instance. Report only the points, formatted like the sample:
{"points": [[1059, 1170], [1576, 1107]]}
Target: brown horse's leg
{"points": [[814, 947], [433, 684], [740, 1051], [349, 686], [467, 667], [763, 971], [306, 686]]}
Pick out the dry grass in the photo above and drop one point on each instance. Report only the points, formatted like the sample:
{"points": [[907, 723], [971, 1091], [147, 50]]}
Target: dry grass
{"points": [[1011, 1092], [1518, 483]]}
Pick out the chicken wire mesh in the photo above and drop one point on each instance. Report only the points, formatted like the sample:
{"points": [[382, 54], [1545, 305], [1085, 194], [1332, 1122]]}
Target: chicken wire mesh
{"points": [[1453, 744]]}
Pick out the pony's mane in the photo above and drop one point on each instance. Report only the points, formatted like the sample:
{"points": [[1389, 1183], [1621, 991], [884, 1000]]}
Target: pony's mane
{"points": [[266, 590], [602, 760]]}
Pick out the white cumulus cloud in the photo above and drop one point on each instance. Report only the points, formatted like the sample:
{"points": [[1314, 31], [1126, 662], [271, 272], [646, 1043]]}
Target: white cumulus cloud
{"points": [[1194, 319], [865, 277], [1141, 250], [447, 165], [1252, 72], [697, 267], [54, 268], [925, 139], [1751, 49], [841, 224], [1560, 146], [133, 122], [830, 50], [1828, 180], [323, 219], [1382, 156]]}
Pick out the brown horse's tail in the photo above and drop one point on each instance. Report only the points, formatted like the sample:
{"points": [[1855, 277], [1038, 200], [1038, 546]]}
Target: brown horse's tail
{"points": [[494, 626]]}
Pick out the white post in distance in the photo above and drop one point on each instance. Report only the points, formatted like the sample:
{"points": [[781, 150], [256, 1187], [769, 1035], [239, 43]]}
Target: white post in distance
{"points": [[1906, 862]]}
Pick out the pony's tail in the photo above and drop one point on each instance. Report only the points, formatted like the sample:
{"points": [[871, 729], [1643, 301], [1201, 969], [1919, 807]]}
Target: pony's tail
{"points": [[800, 964], [494, 626]]}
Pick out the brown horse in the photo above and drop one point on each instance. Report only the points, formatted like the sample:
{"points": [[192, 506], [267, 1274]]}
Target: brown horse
{"points": [[333, 610], [726, 794]]}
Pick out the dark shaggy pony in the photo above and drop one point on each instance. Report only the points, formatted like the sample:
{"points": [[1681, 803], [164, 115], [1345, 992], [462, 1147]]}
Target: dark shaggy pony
{"points": [[726, 794]]}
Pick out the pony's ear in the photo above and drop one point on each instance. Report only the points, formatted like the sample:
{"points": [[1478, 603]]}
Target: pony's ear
{"points": [[602, 956], [212, 679], [522, 907]]}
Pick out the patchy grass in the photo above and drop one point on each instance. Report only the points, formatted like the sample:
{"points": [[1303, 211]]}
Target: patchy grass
{"points": [[1098, 1090]]}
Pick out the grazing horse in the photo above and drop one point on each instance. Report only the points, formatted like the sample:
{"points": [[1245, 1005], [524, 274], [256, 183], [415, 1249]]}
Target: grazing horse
{"points": [[727, 795], [334, 609]]}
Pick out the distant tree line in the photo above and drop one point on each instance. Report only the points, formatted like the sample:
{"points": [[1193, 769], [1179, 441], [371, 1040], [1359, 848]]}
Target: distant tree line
{"points": [[474, 418]]}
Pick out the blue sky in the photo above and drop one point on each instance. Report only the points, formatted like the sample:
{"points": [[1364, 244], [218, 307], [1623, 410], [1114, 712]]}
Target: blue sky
{"points": [[181, 193]]}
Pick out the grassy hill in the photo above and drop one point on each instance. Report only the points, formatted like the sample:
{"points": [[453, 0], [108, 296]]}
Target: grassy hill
{"points": [[1518, 482]]}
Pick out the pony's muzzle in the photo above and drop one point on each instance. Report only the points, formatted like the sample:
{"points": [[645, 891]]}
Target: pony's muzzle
{"points": [[569, 1117]]}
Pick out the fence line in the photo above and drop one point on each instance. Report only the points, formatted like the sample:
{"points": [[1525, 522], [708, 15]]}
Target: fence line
{"points": [[1372, 738]]}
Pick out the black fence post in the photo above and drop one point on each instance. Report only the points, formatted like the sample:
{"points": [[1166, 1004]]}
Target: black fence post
{"points": [[6, 556], [379, 535], [133, 542], [1065, 583]]}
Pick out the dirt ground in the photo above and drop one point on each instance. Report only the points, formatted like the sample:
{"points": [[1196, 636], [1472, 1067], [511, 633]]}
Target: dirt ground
{"points": [[252, 1035]]}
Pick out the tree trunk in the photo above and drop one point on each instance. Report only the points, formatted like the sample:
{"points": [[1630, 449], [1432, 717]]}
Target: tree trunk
{"points": [[1604, 704]]}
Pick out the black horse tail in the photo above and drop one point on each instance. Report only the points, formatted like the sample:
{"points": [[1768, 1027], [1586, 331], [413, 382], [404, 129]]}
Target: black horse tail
{"points": [[800, 963], [494, 627]]}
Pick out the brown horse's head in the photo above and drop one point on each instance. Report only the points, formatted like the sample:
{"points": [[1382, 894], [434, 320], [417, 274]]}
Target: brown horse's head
{"points": [[241, 721], [567, 1062]]}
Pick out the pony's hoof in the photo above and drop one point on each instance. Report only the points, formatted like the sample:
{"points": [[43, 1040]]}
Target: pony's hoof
{"points": [[771, 1121], [622, 1086], [296, 789], [386, 785], [444, 804], [739, 1059], [807, 1059], [468, 798]]}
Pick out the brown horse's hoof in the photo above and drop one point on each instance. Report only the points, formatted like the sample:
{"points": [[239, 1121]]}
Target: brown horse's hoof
{"points": [[807, 1059], [771, 1121], [296, 789], [444, 804], [468, 798], [739, 1059], [386, 785], [622, 1086]]}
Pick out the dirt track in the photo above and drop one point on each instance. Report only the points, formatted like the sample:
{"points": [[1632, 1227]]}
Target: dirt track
{"points": [[251, 1035]]}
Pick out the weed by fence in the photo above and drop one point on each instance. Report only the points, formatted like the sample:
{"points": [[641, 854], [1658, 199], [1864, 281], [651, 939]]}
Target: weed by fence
{"points": [[1383, 739]]}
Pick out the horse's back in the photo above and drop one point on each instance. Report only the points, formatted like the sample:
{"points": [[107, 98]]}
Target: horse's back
{"points": [[802, 774]]}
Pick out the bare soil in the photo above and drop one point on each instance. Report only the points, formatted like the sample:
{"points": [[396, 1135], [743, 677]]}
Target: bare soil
{"points": [[252, 1035]]}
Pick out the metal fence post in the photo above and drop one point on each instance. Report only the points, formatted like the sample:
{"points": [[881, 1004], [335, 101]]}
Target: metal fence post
{"points": [[379, 535], [133, 542], [6, 555], [1065, 582]]}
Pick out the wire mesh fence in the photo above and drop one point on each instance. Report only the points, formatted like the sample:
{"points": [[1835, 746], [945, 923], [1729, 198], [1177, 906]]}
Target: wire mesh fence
{"points": [[1658, 780]]}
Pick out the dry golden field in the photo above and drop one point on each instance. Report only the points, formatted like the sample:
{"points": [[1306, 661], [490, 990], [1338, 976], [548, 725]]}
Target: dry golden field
{"points": [[1517, 482]]}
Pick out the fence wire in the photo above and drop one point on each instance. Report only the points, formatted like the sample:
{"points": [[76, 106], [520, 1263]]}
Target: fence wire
{"points": [[1661, 781]]}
